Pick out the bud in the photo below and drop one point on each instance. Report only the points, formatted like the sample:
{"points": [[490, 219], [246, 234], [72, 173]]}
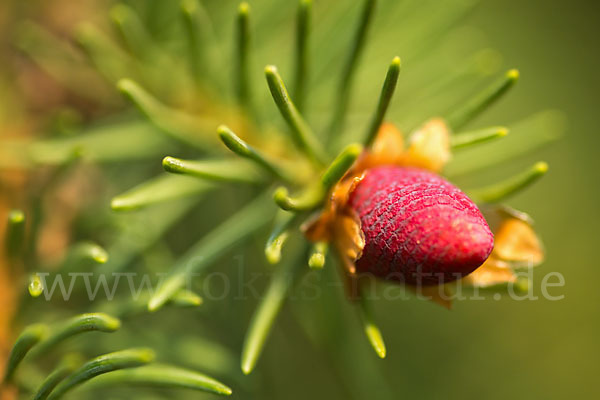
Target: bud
{"points": [[418, 228]]}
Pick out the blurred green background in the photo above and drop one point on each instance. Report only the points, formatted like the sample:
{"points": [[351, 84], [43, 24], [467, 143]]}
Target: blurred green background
{"points": [[492, 349], [542, 349]]}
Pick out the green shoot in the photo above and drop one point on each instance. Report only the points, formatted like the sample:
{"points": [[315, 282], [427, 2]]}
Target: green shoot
{"points": [[268, 309], [279, 236], [480, 102], [344, 87], [318, 255], [468, 139], [15, 233], [178, 125], [77, 325], [163, 376], [315, 194], [242, 55], [243, 149], [130, 358], [238, 171], [499, 191], [30, 337], [370, 327], [67, 366], [302, 135], [159, 189], [245, 222], [301, 64], [131, 30], [387, 91]]}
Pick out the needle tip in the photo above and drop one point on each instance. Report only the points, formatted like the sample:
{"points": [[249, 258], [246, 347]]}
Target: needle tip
{"points": [[513, 74]]}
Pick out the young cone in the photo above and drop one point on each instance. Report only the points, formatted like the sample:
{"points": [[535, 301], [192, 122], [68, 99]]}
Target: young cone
{"points": [[418, 228]]}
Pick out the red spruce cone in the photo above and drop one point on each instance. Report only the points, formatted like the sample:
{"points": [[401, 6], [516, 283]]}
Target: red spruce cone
{"points": [[418, 228]]}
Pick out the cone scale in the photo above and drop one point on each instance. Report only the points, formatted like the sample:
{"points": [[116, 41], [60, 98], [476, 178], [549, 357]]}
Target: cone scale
{"points": [[418, 228]]}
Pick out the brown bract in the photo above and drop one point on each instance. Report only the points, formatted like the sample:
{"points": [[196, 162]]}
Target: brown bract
{"points": [[515, 245]]}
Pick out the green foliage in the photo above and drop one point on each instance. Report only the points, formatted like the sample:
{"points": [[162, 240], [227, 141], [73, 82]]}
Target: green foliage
{"points": [[242, 149], [240, 225], [75, 326], [501, 190], [103, 364], [15, 233], [164, 376], [264, 317], [387, 91], [302, 134], [467, 139], [31, 336]]}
